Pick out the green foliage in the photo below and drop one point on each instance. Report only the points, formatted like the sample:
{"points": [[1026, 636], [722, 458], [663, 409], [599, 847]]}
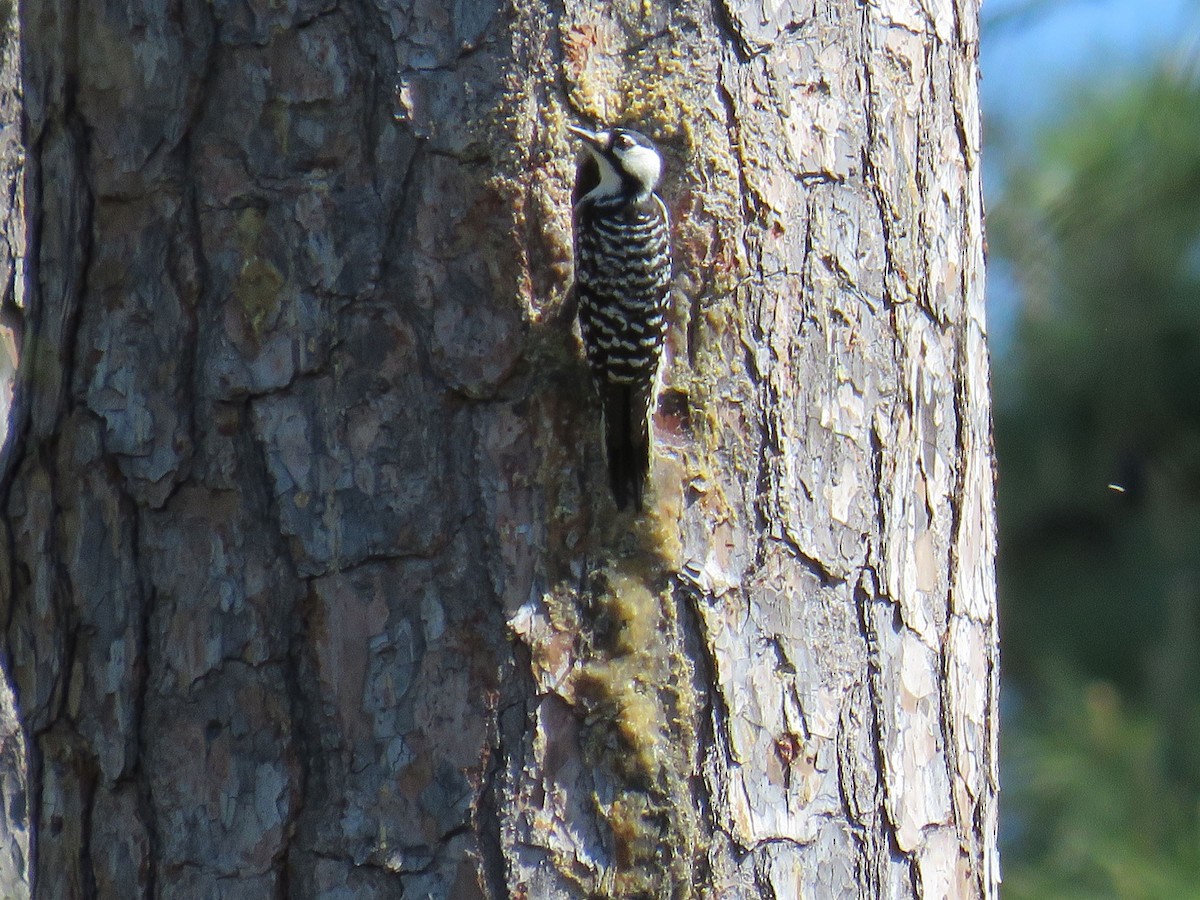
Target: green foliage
{"points": [[1104, 384], [1090, 811], [1100, 585]]}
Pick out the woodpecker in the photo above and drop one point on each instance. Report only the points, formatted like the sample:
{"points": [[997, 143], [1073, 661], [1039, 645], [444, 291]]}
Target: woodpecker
{"points": [[622, 283]]}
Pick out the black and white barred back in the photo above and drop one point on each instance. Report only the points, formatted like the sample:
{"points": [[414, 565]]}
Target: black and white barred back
{"points": [[622, 282], [623, 279]]}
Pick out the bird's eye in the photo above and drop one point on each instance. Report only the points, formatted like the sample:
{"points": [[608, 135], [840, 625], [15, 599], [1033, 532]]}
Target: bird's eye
{"points": [[623, 142]]}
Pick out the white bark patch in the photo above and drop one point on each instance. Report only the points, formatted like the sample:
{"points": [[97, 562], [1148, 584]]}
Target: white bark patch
{"points": [[561, 820], [919, 789], [943, 866], [842, 493]]}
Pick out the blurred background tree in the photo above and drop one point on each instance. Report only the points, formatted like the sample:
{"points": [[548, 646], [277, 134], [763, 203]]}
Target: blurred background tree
{"points": [[1094, 231]]}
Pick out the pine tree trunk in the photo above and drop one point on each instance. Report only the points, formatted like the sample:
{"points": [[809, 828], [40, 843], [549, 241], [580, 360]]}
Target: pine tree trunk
{"points": [[312, 581]]}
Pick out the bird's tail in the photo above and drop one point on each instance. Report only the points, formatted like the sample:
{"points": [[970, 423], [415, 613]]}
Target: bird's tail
{"points": [[627, 440]]}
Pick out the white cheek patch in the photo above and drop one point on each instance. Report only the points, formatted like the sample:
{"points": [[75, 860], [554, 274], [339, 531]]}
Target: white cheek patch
{"points": [[643, 164], [610, 181]]}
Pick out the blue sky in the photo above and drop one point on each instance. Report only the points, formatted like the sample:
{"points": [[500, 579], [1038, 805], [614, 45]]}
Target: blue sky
{"points": [[1034, 53], [1033, 48]]}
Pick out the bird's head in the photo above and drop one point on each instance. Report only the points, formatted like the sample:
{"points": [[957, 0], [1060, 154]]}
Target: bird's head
{"points": [[627, 162]]}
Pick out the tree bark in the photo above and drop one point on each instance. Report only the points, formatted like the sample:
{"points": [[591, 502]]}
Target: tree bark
{"points": [[312, 583]]}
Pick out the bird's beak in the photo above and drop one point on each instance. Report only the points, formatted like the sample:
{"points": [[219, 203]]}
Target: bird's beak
{"points": [[596, 139]]}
